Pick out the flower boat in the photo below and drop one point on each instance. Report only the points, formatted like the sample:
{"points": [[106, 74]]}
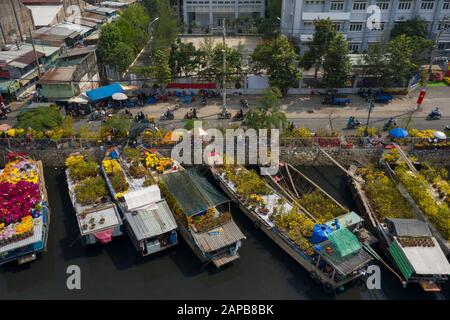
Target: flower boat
{"points": [[412, 249], [97, 216], [148, 219], [24, 211], [211, 233], [330, 252], [427, 191]]}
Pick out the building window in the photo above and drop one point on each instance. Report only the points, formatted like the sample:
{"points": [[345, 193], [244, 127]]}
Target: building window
{"points": [[446, 5], [354, 27], [379, 27], [427, 5], [383, 5], [353, 47], [443, 26], [404, 5], [444, 46], [337, 26], [337, 6], [359, 6]]}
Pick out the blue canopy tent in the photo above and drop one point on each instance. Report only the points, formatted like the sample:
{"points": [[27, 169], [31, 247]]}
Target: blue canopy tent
{"points": [[104, 92], [398, 133]]}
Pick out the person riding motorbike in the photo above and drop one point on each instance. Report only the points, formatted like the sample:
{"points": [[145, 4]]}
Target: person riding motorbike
{"points": [[435, 114], [239, 115], [244, 103], [352, 122], [390, 124]]}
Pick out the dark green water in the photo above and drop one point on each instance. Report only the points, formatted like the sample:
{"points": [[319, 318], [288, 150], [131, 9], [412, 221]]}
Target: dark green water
{"points": [[116, 271]]}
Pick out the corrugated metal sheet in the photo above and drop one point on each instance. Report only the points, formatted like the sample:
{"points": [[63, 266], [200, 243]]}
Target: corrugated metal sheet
{"points": [[63, 74], [427, 260], [218, 238], [344, 265], [148, 223], [400, 260], [409, 227], [344, 241]]}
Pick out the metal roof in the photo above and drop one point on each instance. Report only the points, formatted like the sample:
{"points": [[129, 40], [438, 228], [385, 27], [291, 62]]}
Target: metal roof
{"points": [[343, 265], [346, 220], [427, 260], [218, 238], [77, 52], [34, 2], [147, 223], [25, 50], [62, 74], [44, 15], [409, 227]]}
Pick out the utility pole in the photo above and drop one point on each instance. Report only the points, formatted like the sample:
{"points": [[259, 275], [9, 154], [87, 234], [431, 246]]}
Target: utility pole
{"points": [[371, 106], [36, 59], [224, 89]]}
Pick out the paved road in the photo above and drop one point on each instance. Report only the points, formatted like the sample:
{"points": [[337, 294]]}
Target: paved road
{"points": [[309, 112]]}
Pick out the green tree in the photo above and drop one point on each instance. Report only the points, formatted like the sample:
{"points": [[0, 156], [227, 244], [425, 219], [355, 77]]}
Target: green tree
{"points": [[401, 65], [268, 114], [214, 64], [167, 28], [277, 57], [40, 119], [415, 27], [375, 64], [160, 68], [117, 125], [184, 58], [268, 27], [324, 34], [122, 40], [336, 64]]}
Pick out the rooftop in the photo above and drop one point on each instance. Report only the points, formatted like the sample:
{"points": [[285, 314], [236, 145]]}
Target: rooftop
{"points": [[149, 222], [61, 74], [75, 52], [24, 52], [44, 15], [218, 238]]}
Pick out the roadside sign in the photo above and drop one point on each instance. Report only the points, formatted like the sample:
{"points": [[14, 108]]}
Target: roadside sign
{"points": [[421, 96]]}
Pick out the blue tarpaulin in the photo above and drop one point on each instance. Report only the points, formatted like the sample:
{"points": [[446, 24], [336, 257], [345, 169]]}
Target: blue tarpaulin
{"points": [[398, 133], [104, 92]]}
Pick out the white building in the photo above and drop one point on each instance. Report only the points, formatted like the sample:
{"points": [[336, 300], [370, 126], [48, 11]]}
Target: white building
{"points": [[355, 19], [211, 12]]}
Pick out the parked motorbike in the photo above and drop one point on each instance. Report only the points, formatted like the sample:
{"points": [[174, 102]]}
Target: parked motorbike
{"points": [[97, 116]]}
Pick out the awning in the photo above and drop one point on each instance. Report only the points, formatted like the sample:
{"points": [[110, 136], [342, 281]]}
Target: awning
{"points": [[209, 85], [104, 92], [144, 197], [192, 191]]}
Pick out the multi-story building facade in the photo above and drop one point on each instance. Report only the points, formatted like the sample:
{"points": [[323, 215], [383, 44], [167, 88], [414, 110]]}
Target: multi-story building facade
{"points": [[355, 18], [212, 12]]}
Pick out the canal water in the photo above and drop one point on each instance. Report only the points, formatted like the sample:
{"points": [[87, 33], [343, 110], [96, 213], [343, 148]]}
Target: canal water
{"points": [[116, 271]]}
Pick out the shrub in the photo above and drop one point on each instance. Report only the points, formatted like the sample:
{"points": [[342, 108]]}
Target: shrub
{"points": [[90, 189]]}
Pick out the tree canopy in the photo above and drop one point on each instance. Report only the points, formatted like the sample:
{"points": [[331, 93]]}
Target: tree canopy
{"points": [[268, 115], [40, 118], [278, 58], [415, 27], [336, 65]]}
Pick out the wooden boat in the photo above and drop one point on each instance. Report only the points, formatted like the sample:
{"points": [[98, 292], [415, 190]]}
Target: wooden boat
{"points": [[408, 243], [98, 222], [147, 217], [418, 212], [29, 248], [324, 264], [217, 243]]}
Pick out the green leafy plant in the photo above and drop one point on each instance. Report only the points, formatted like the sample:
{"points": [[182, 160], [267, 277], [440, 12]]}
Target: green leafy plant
{"points": [[90, 190]]}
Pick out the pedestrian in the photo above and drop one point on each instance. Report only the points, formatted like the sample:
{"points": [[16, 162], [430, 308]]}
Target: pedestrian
{"points": [[194, 113]]}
